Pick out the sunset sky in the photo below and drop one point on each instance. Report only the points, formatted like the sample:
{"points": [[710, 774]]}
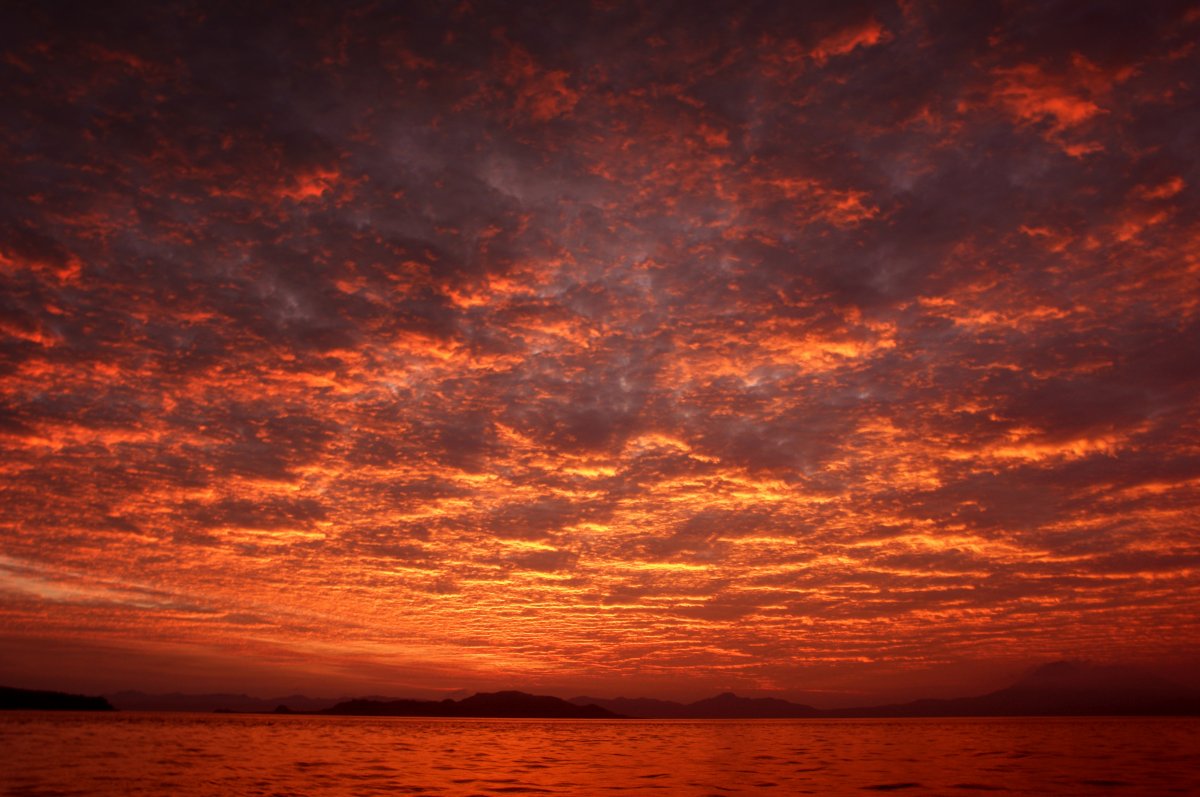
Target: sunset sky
{"points": [[822, 350]]}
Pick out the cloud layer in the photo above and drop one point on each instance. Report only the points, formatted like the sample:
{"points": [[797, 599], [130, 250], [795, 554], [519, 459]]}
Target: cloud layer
{"points": [[619, 345]]}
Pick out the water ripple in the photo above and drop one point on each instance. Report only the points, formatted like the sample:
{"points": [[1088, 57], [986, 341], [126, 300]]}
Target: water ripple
{"points": [[192, 755]]}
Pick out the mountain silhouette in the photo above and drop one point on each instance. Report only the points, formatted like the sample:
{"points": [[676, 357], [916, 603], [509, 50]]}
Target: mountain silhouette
{"points": [[487, 704], [730, 705], [638, 707], [33, 699], [723, 706], [1061, 688]]}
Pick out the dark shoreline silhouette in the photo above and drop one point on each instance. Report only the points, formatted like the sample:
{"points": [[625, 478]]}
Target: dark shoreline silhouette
{"points": [[40, 700], [224, 702], [508, 704], [1058, 689]]}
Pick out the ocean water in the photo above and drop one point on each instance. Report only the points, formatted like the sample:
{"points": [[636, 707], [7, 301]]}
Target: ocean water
{"points": [[44, 754]]}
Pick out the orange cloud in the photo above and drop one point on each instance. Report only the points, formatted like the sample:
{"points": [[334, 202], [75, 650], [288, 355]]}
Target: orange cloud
{"points": [[868, 34], [465, 350]]}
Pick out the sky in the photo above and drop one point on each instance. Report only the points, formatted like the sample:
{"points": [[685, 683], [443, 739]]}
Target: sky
{"points": [[826, 350]]}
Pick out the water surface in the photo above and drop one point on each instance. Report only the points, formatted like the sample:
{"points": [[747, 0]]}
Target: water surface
{"points": [[45, 754]]}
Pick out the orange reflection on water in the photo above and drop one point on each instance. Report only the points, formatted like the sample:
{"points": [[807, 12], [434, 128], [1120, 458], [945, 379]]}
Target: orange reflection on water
{"points": [[191, 755]]}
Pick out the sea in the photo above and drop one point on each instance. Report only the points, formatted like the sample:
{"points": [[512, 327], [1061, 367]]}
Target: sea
{"points": [[51, 754]]}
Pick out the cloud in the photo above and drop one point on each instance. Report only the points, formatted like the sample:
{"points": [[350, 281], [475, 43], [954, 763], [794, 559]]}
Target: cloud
{"points": [[527, 341]]}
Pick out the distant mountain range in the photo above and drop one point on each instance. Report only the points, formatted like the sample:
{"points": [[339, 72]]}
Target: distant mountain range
{"points": [[1060, 689], [1063, 688], [487, 704], [723, 706]]}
